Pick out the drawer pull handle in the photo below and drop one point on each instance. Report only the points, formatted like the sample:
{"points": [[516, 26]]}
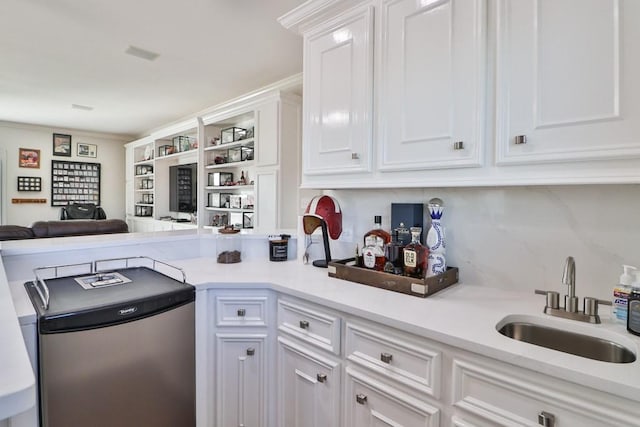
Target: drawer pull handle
{"points": [[321, 377], [520, 139], [304, 324], [251, 351], [458, 145], [386, 357], [361, 398], [242, 312], [546, 419]]}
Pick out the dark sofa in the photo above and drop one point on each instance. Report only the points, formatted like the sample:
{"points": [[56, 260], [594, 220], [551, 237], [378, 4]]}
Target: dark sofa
{"points": [[43, 229]]}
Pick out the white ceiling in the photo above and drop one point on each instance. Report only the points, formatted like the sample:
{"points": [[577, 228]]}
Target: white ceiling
{"points": [[55, 53]]}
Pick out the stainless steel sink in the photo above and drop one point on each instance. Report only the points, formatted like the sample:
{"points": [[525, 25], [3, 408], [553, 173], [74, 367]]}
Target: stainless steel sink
{"points": [[568, 342]]}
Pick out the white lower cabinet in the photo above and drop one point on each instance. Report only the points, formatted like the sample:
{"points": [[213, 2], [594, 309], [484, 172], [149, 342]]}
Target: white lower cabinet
{"points": [[308, 387], [241, 381], [369, 403], [505, 395], [331, 369]]}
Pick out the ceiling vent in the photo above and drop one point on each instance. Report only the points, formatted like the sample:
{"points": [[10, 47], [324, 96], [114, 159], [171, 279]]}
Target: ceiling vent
{"points": [[81, 107], [141, 53]]}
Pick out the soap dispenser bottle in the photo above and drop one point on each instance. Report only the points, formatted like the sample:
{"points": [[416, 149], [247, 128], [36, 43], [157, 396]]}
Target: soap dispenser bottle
{"points": [[621, 294], [633, 306]]}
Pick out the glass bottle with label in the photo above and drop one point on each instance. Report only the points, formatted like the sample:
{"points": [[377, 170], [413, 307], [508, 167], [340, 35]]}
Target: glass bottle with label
{"points": [[393, 254], [375, 241], [415, 256]]}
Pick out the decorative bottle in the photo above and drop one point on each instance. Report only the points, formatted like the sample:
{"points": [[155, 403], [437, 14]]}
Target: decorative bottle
{"points": [[435, 240], [415, 256], [375, 241]]}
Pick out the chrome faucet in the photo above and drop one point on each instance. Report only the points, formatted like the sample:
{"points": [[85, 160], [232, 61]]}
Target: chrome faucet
{"points": [[571, 301], [569, 279]]}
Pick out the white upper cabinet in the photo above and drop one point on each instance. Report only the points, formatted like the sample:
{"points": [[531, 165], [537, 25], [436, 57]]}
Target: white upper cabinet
{"points": [[567, 80], [431, 84], [338, 84]]}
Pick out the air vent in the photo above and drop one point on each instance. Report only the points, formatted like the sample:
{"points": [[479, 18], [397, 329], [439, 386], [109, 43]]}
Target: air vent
{"points": [[141, 53], [81, 107]]}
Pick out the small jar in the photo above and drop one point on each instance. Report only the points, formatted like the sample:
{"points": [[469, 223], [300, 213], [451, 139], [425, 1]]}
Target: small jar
{"points": [[228, 248]]}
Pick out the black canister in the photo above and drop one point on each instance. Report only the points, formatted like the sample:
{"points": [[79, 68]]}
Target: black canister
{"points": [[279, 248]]}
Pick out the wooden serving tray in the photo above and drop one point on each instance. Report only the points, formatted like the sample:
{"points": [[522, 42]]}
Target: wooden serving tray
{"points": [[345, 269]]}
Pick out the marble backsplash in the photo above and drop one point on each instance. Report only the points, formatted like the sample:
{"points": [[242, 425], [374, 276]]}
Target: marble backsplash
{"points": [[517, 237]]}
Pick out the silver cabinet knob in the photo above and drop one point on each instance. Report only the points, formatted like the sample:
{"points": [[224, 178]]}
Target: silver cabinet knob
{"points": [[242, 312], [361, 398], [321, 377], [386, 357], [546, 419], [355, 156], [251, 351], [520, 139], [304, 324], [458, 145]]}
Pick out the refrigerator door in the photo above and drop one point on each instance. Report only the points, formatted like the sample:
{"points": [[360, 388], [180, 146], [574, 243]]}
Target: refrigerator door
{"points": [[140, 373]]}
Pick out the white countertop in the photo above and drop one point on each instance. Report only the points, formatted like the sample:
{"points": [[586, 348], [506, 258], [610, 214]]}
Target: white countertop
{"points": [[464, 316], [17, 382]]}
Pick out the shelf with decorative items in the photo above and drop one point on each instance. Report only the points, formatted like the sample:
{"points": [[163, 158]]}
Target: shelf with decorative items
{"points": [[229, 168]]}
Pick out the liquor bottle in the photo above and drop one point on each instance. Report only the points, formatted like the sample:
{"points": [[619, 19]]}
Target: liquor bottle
{"points": [[375, 241], [377, 236], [415, 256], [393, 254], [436, 261]]}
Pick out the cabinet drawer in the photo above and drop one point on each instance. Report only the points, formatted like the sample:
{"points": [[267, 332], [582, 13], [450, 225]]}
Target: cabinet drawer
{"points": [[515, 397], [403, 358], [373, 403], [312, 324], [241, 311]]}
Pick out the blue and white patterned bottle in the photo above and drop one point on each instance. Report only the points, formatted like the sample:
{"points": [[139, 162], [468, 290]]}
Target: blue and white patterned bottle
{"points": [[435, 240]]}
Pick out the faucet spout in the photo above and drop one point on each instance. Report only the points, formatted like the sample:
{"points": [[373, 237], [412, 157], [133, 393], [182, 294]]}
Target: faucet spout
{"points": [[569, 276]]}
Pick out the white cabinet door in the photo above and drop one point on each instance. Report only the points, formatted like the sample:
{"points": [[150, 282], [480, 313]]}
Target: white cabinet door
{"points": [[241, 381], [431, 81], [567, 80], [308, 387], [372, 403], [338, 73]]}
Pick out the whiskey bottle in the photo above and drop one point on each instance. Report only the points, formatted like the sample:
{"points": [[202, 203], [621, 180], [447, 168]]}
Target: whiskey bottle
{"points": [[415, 256], [393, 254], [375, 241], [377, 236]]}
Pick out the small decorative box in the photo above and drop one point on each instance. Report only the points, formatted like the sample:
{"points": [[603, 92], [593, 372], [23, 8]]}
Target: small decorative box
{"points": [[234, 154], [232, 134], [247, 153], [218, 200], [235, 201], [218, 179], [165, 150]]}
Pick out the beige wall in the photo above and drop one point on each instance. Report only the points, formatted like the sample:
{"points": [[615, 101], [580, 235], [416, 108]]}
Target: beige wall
{"points": [[14, 136]]}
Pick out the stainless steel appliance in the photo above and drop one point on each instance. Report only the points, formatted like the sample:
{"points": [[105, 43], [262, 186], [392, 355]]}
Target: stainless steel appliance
{"points": [[116, 346]]}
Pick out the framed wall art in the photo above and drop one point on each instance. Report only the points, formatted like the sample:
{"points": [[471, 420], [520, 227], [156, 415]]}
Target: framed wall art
{"points": [[29, 183], [74, 182], [87, 150], [29, 158], [61, 145]]}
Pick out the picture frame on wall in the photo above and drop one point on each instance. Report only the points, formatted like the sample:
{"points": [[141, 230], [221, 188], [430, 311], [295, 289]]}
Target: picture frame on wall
{"points": [[29, 158], [61, 145], [87, 150]]}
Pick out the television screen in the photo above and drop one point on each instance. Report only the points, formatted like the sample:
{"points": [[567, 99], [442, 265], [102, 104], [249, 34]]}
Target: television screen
{"points": [[183, 188]]}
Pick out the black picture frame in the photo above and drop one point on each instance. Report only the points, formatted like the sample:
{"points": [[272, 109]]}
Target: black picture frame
{"points": [[74, 182], [61, 145]]}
